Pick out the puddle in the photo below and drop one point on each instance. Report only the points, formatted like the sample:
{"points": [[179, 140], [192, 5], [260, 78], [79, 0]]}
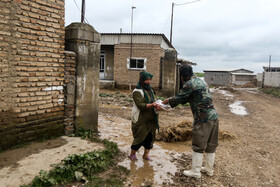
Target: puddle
{"points": [[24, 169], [160, 169], [226, 93], [238, 109]]}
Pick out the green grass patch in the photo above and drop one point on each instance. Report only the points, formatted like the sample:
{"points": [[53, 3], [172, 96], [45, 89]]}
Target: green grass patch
{"points": [[271, 91], [121, 95], [186, 104], [105, 95], [129, 100], [111, 180], [161, 98], [80, 167], [199, 74]]}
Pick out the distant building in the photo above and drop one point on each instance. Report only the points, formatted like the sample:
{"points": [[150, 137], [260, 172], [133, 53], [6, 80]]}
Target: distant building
{"points": [[270, 77], [226, 77], [271, 69]]}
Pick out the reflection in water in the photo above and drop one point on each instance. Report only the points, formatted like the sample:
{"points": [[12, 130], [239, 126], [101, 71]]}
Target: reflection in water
{"points": [[159, 169], [145, 170]]}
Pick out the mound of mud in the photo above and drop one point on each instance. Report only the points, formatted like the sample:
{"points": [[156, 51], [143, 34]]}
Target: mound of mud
{"points": [[183, 132], [225, 135], [249, 85]]}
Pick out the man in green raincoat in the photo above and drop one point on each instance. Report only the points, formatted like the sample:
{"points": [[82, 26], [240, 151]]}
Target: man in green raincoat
{"points": [[205, 125]]}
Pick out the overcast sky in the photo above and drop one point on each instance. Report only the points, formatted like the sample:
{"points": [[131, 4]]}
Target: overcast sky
{"points": [[212, 33]]}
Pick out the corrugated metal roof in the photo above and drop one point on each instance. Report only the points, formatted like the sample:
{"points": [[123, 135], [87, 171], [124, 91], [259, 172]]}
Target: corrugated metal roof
{"points": [[143, 34], [243, 74], [223, 70], [226, 70]]}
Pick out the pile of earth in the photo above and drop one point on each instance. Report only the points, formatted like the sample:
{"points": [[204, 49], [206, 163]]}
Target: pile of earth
{"points": [[183, 132], [249, 85]]}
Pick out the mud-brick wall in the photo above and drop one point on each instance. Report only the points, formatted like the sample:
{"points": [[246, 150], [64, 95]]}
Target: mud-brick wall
{"points": [[32, 70], [124, 76], [70, 91]]}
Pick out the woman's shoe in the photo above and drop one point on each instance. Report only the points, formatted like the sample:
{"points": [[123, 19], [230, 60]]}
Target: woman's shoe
{"points": [[147, 158], [132, 157]]}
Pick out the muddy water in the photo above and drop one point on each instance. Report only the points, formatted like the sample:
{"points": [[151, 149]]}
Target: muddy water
{"points": [[157, 171]]}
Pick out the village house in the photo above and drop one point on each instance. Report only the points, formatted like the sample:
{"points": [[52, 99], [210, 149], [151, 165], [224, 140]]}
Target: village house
{"points": [[226, 77], [146, 51]]}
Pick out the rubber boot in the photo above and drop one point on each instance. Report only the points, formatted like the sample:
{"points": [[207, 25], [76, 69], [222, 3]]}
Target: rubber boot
{"points": [[196, 166], [209, 163]]}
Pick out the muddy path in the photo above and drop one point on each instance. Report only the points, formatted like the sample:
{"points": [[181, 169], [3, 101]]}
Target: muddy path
{"points": [[247, 156], [251, 159]]}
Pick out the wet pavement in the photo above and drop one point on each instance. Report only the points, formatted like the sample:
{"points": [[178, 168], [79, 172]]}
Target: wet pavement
{"points": [[156, 172]]}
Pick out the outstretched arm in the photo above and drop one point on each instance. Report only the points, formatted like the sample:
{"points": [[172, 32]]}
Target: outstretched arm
{"points": [[181, 98]]}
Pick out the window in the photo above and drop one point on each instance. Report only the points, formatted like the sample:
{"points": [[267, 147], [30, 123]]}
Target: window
{"points": [[102, 61], [136, 63]]}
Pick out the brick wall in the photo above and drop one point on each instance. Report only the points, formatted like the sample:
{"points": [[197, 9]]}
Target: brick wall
{"points": [[70, 91], [152, 52], [32, 70]]}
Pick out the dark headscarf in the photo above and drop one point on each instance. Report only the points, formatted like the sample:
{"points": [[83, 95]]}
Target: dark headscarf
{"points": [[142, 85]]}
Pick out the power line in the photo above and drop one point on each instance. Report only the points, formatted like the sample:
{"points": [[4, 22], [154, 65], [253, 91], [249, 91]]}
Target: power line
{"points": [[81, 12], [186, 3], [174, 4]]}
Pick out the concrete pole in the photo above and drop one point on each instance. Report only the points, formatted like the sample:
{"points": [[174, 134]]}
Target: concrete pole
{"points": [[84, 40], [169, 73]]}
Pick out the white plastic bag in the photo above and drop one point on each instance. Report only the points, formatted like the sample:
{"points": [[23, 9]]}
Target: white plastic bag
{"points": [[163, 106]]}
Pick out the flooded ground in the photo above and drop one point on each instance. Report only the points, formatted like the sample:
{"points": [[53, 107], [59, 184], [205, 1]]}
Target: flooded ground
{"points": [[160, 169], [247, 155], [243, 148], [20, 166]]}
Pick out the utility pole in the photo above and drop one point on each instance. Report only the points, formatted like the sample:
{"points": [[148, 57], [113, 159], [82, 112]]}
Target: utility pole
{"points": [[83, 12], [173, 4], [269, 63], [171, 28], [131, 46]]}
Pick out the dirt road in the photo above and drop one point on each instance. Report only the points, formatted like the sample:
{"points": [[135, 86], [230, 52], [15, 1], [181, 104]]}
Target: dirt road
{"points": [[251, 159]]}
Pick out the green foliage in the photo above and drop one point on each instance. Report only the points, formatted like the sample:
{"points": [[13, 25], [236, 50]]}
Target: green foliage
{"points": [[87, 134], [271, 91], [88, 164], [121, 95], [104, 95], [113, 180], [186, 104], [161, 98], [129, 100], [199, 74]]}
